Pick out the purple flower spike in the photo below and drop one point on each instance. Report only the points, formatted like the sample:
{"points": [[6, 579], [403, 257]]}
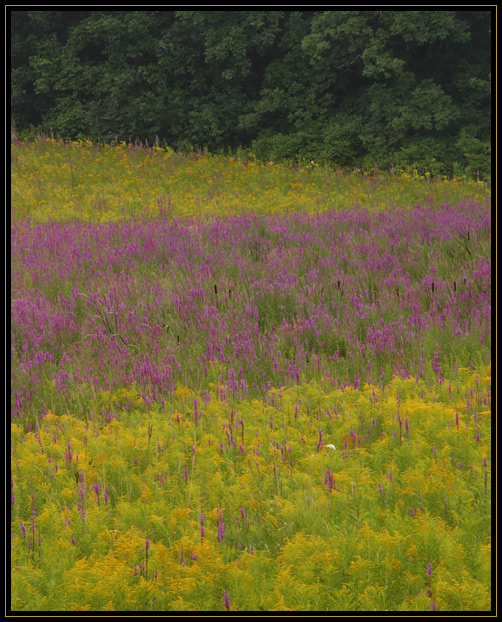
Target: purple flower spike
{"points": [[221, 529]]}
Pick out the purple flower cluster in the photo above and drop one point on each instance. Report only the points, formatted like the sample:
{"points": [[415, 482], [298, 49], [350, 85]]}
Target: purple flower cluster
{"points": [[345, 295]]}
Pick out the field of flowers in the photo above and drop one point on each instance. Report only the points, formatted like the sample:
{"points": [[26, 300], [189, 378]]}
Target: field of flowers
{"points": [[245, 386]]}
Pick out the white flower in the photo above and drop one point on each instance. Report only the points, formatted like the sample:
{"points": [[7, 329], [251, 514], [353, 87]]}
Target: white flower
{"points": [[331, 447]]}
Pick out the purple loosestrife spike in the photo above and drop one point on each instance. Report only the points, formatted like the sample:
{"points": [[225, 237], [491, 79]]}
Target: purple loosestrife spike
{"points": [[221, 528], [97, 490], [68, 454], [412, 513], [429, 569], [226, 600], [81, 509]]}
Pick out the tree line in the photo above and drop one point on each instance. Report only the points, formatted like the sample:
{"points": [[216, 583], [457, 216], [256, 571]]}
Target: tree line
{"points": [[388, 88]]}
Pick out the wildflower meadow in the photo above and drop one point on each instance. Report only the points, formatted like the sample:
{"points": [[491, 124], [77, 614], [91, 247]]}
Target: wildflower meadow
{"points": [[246, 386]]}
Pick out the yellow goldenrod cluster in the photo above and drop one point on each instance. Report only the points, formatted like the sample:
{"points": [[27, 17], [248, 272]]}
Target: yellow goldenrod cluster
{"points": [[53, 180], [315, 499]]}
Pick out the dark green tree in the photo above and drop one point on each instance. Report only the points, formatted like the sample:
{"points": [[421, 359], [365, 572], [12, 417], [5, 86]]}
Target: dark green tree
{"points": [[353, 88]]}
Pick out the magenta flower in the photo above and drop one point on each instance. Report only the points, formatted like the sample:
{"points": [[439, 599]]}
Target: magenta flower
{"points": [[226, 600], [221, 529], [68, 454], [97, 490]]}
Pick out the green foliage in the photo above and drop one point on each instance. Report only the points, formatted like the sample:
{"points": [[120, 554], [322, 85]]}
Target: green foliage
{"points": [[345, 87], [477, 153]]}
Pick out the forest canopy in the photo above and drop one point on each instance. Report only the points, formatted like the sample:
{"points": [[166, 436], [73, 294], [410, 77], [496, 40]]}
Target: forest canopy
{"points": [[352, 88]]}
